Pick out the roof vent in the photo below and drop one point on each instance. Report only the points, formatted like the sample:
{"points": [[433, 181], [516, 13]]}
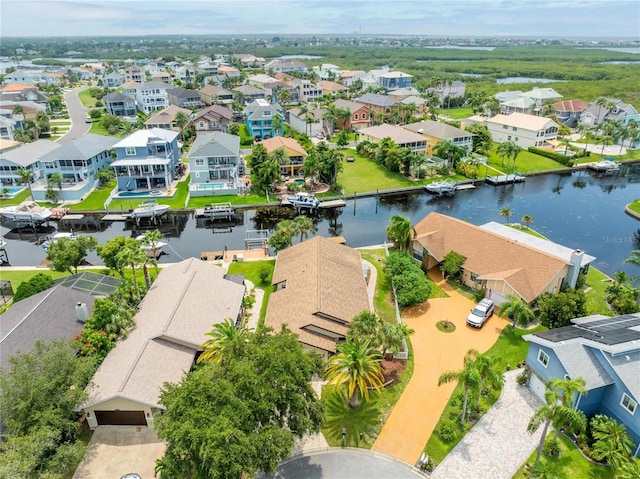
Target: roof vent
{"points": [[82, 312]]}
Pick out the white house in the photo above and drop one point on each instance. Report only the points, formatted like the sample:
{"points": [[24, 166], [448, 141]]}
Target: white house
{"points": [[524, 130]]}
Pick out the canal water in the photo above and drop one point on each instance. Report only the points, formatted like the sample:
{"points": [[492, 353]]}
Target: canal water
{"points": [[579, 210]]}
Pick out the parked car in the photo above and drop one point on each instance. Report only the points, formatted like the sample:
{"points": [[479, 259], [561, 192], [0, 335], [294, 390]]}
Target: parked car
{"points": [[87, 119], [482, 312]]}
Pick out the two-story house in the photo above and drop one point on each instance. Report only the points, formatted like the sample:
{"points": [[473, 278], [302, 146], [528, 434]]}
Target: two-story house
{"points": [[360, 114], [568, 111], [307, 91], [292, 148], [214, 164], [435, 132], [152, 96], [213, 118], [595, 115], [185, 98], [250, 93], [147, 159], [259, 118], [25, 157], [401, 137], [134, 73], [113, 80], [166, 119], [119, 104], [286, 66], [212, 95], [524, 130], [379, 104], [602, 350], [312, 122], [395, 80]]}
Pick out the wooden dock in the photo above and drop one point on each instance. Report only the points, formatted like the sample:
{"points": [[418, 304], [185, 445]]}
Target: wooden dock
{"points": [[504, 179], [332, 204], [216, 211], [467, 186], [115, 217], [235, 255]]}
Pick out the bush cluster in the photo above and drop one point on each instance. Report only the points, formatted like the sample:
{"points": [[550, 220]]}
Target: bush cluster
{"points": [[550, 154], [412, 285], [38, 283]]}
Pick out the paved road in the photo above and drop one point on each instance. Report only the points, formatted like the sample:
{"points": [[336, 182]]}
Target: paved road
{"points": [[416, 414], [499, 444], [337, 463], [77, 114]]}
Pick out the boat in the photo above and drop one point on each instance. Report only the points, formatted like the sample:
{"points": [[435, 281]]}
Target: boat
{"points": [[605, 166], [148, 246], [57, 237], [26, 212], [149, 209], [441, 187], [302, 199]]}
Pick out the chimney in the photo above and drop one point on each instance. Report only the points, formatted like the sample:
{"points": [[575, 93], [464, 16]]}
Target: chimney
{"points": [[82, 312], [574, 268]]}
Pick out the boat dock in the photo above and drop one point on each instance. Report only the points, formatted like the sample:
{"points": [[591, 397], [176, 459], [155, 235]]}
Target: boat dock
{"points": [[332, 204], [115, 217], [216, 211], [504, 179], [467, 186]]}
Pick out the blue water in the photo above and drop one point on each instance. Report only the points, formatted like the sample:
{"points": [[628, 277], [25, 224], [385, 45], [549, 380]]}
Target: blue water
{"points": [[210, 186], [138, 193], [578, 210], [13, 190]]}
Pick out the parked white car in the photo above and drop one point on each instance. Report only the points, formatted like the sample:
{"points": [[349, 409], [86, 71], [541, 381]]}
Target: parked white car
{"points": [[482, 312]]}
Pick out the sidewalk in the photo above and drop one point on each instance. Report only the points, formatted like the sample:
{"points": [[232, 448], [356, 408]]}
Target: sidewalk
{"points": [[416, 414]]}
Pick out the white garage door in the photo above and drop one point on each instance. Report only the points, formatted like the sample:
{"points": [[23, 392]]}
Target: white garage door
{"points": [[537, 386]]}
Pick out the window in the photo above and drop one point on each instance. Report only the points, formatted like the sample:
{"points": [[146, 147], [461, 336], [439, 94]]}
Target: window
{"points": [[516, 138], [201, 124], [543, 358], [130, 151], [509, 138], [515, 129], [505, 127], [628, 403], [364, 116], [355, 116], [199, 161]]}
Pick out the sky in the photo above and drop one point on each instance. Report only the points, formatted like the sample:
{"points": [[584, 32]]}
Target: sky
{"points": [[466, 18]]}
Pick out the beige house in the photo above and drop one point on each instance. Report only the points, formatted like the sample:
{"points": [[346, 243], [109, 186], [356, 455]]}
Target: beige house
{"points": [[292, 148], [165, 118], [320, 286], [435, 132], [522, 129], [401, 137], [183, 303], [499, 259]]}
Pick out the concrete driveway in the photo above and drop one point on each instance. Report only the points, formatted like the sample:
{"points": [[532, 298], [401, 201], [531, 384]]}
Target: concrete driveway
{"points": [[117, 450], [416, 414]]}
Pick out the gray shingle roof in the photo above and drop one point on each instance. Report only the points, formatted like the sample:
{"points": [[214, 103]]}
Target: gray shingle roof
{"points": [[30, 153], [437, 129], [117, 96], [215, 144], [579, 361], [82, 148], [377, 100]]}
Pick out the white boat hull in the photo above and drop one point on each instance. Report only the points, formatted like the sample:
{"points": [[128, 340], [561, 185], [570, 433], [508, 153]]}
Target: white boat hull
{"points": [[26, 213], [149, 212]]}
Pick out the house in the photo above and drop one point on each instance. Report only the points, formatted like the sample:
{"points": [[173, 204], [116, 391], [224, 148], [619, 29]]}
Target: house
{"points": [[401, 137], [208, 68], [286, 66], [522, 104], [229, 71], [453, 89], [292, 148], [395, 80], [259, 117], [27, 76], [213, 118], [78, 162], [604, 352], [165, 119], [307, 91], [348, 78], [250, 93], [436, 132], [120, 104], [320, 286], [184, 98], [542, 96], [171, 325], [327, 71], [134, 73], [420, 103], [161, 77], [214, 161], [7, 127], [380, 104], [212, 94], [312, 123], [401, 94], [595, 114], [568, 111], [56, 313], [25, 157], [147, 159], [523, 130], [113, 80], [283, 77], [152, 96], [499, 260], [360, 114], [332, 88], [249, 61], [259, 80], [272, 91], [130, 88]]}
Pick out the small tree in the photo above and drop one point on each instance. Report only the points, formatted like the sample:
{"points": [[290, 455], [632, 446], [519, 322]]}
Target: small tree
{"points": [[612, 442], [506, 212], [527, 220], [67, 254], [468, 376], [401, 232], [451, 266], [516, 310], [557, 310], [104, 176]]}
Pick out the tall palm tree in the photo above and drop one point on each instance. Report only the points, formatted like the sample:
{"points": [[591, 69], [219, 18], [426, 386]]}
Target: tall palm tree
{"points": [[151, 239], [516, 310], [226, 343], [303, 111], [506, 212], [556, 413], [56, 179], [566, 142], [487, 367], [357, 365], [527, 220], [365, 326], [25, 177], [401, 232], [303, 225], [180, 120], [392, 337], [133, 257], [605, 140], [468, 376]]}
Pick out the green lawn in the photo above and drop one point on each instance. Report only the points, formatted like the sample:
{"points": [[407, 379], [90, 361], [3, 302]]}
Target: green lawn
{"points": [[178, 200], [95, 200], [526, 162], [16, 200], [457, 113], [251, 270], [635, 206], [382, 301], [598, 282], [509, 350], [250, 199], [87, 100], [527, 230], [570, 464]]}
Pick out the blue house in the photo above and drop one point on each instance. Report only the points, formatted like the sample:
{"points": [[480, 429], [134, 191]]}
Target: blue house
{"points": [[147, 159], [259, 119], [605, 352], [395, 80]]}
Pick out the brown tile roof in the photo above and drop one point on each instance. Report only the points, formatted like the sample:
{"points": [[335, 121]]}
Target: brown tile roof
{"points": [[215, 112], [331, 85], [570, 105], [272, 144], [166, 116], [526, 269], [323, 279], [13, 87], [130, 84]]}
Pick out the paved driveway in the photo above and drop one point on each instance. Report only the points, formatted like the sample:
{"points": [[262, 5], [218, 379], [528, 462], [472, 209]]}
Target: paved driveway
{"points": [[117, 450], [416, 414], [499, 444], [77, 114]]}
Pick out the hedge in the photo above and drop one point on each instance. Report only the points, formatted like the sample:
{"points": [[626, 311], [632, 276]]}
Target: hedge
{"points": [[552, 155], [35, 285]]}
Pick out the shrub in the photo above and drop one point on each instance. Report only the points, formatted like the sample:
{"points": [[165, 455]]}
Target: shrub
{"points": [[551, 448], [467, 169], [522, 378], [38, 283], [412, 285], [264, 273], [550, 154], [447, 430]]}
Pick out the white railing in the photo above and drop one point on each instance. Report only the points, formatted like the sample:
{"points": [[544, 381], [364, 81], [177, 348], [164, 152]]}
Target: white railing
{"points": [[113, 193]]}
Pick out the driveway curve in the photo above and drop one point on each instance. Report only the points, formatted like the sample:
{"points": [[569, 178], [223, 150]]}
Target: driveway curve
{"points": [[77, 114], [416, 414]]}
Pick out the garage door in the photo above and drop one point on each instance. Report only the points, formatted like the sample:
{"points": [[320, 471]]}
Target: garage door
{"points": [[120, 418], [537, 386]]}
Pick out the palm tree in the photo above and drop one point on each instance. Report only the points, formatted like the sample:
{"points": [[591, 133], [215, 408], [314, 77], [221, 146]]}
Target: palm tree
{"points": [[180, 120], [449, 150], [357, 365], [605, 140], [468, 376], [365, 326], [612, 442], [566, 142], [276, 125], [227, 341], [506, 212], [303, 224], [516, 310], [392, 337], [634, 257], [556, 413], [55, 179], [487, 367], [401, 232], [506, 150], [151, 239], [629, 469], [25, 177], [527, 220], [132, 257]]}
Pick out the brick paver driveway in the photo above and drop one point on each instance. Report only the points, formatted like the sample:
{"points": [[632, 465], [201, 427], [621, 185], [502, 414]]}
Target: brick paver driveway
{"points": [[417, 412], [499, 444]]}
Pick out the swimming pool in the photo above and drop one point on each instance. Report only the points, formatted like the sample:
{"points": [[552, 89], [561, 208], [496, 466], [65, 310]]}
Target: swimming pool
{"points": [[11, 191], [211, 186], [139, 193]]}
